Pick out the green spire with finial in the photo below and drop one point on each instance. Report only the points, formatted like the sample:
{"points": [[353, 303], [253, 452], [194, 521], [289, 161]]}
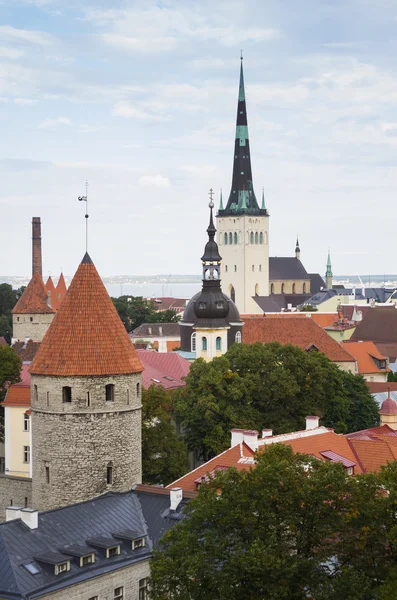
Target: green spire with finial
{"points": [[221, 202], [263, 199], [329, 267], [241, 90]]}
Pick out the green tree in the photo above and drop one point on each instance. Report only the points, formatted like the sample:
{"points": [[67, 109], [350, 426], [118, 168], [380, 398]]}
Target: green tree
{"points": [[135, 310], [10, 367], [291, 528], [5, 327], [308, 308], [164, 454], [260, 386], [8, 298]]}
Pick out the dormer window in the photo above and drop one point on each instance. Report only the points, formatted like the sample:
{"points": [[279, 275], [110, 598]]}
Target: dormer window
{"points": [[219, 305], [139, 543], [113, 551], [88, 559], [62, 567], [202, 305]]}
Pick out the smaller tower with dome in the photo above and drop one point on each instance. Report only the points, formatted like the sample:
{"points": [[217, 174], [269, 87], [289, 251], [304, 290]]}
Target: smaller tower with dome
{"points": [[211, 322]]}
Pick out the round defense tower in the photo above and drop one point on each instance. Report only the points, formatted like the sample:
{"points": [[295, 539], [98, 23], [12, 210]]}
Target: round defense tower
{"points": [[86, 400]]}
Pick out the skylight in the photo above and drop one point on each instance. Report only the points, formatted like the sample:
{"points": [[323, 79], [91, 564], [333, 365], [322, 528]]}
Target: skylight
{"points": [[32, 568]]}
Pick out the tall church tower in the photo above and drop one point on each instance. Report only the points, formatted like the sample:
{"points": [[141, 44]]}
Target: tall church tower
{"points": [[243, 226], [86, 400], [328, 273]]}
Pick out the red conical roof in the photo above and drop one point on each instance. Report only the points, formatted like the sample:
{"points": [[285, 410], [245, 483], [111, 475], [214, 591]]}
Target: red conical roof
{"points": [[61, 288], [86, 336], [34, 298], [389, 407], [51, 293]]}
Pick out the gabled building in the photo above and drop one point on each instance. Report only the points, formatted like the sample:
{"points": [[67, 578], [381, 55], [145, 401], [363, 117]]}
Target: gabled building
{"points": [[17, 427], [371, 364], [167, 369], [163, 337], [380, 327]]}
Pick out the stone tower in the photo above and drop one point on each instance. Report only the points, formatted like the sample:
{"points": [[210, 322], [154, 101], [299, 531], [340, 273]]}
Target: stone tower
{"points": [[328, 273], [243, 227], [211, 322], [37, 266], [86, 399]]}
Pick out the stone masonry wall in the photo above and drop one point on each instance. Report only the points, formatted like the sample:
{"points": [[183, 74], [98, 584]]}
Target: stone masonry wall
{"points": [[73, 443], [104, 586], [14, 491], [32, 326]]}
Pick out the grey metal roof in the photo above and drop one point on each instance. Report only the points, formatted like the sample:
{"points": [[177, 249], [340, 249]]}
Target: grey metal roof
{"points": [[70, 528], [286, 267], [316, 283], [156, 510], [277, 302], [146, 330]]}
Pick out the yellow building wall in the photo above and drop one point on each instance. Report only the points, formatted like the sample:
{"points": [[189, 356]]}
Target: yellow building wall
{"points": [[341, 336], [302, 286], [15, 439]]}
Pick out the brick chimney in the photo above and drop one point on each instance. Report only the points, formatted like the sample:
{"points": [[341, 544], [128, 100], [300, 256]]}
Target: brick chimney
{"points": [[36, 246]]}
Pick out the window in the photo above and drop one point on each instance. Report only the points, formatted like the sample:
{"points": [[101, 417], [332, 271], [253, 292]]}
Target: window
{"points": [[238, 337], [119, 593], [31, 319], [225, 238], [88, 559], [26, 454], [253, 267], [138, 389], [272, 288], [260, 267], [26, 422], [304, 288], [32, 568], [235, 268], [218, 343], [261, 237], [26, 502], [225, 268], [230, 238], [48, 398], [219, 304], [17, 318], [67, 393], [109, 474], [143, 591], [35, 393], [128, 395], [256, 237], [113, 551], [282, 288], [251, 237], [93, 598], [138, 543], [109, 392], [193, 342], [47, 473], [293, 288], [62, 567], [88, 399], [235, 238], [232, 294], [204, 344]]}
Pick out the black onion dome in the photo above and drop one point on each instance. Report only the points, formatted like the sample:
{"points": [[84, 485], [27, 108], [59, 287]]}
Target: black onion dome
{"points": [[211, 252], [212, 303], [189, 316]]}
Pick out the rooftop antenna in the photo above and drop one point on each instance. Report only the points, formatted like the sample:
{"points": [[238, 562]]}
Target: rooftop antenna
{"points": [[85, 199], [211, 195]]}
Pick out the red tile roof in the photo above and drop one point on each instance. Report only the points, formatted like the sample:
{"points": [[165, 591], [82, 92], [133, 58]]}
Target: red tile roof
{"points": [[26, 350], [51, 294], [375, 387], [86, 336], [363, 353], [324, 319], [373, 454], [240, 456], [61, 288], [163, 368], [18, 394], [297, 331], [33, 299]]}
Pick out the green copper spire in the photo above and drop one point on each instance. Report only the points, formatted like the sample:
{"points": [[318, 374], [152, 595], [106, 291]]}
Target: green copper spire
{"points": [[221, 202], [241, 90], [329, 267], [263, 199]]}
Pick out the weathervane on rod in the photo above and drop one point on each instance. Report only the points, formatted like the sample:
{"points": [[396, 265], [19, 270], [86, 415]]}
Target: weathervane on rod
{"points": [[85, 199]]}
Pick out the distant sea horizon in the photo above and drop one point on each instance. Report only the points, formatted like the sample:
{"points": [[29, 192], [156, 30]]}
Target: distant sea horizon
{"points": [[185, 286]]}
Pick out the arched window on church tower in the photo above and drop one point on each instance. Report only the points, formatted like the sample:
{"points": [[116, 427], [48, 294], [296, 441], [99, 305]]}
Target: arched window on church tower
{"points": [[204, 344], [272, 288], [235, 238], [261, 237], [232, 294], [282, 288], [218, 343], [193, 342], [293, 288], [256, 237], [238, 337], [230, 238], [304, 288], [251, 237], [225, 239]]}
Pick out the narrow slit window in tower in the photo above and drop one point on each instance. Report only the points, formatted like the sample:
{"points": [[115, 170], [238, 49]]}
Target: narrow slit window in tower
{"points": [[67, 393], [251, 237], [109, 392], [138, 389], [88, 399], [235, 238], [47, 473], [256, 237], [230, 238], [261, 237], [109, 474], [225, 238]]}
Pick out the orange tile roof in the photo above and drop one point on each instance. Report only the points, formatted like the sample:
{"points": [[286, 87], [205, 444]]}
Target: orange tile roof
{"points": [[315, 444], [362, 352], [51, 294], [86, 336], [324, 319], [17, 396], [297, 331], [240, 456], [33, 299], [374, 453], [375, 387], [61, 288]]}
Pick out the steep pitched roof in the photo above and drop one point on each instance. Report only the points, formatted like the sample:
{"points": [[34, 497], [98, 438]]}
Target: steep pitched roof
{"points": [[379, 325], [286, 267], [61, 288], [373, 453], [316, 282], [364, 353], [240, 456], [297, 331], [51, 294], [18, 394], [34, 298], [86, 336], [26, 350]]}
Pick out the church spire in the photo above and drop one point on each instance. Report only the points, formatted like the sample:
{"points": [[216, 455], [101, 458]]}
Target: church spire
{"points": [[297, 249], [242, 199], [328, 273]]}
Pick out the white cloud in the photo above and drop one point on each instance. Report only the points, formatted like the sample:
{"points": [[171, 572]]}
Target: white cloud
{"points": [[200, 170], [11, 53], [154, 181], [140, 44], [23, 101], [53, 123], [126, 109], [25, 35]]}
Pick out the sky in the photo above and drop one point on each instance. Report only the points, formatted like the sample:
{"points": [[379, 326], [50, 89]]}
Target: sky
{"points": [[139, 98]]}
